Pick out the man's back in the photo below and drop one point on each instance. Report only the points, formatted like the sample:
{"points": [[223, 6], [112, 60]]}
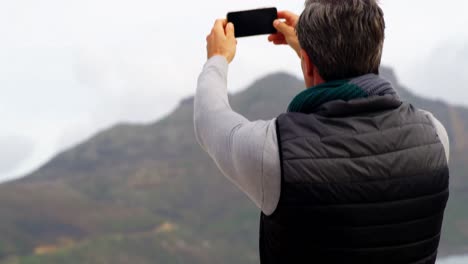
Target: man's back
{"points": [[248, 152], [349, 174], [367, 187]]}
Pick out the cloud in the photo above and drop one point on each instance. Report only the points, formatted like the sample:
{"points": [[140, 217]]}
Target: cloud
{"points": [[15, 151], [71, 68], [443, 74]]}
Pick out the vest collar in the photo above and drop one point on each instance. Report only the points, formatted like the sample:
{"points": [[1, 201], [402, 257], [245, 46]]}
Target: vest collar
{"points": [[376, 103], [330, 97]]}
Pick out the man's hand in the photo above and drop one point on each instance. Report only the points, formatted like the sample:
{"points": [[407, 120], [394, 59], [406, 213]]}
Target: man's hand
{"points": [[221, 40], [286, 31]]}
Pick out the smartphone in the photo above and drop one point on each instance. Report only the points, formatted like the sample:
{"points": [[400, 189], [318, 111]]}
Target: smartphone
{"points": [[253, 22]]}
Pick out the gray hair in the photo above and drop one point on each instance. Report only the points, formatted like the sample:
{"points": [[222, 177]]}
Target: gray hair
{"points": [[343, 38]]}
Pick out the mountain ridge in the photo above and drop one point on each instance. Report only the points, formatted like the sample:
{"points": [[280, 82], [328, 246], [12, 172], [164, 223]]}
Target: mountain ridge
{"points": [[127, 182]]}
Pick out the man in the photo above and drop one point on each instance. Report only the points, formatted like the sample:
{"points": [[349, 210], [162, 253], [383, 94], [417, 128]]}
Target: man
{"points": [[349, 174]]}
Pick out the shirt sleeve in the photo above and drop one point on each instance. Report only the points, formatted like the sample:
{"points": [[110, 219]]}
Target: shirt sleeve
{"points": [[245, 151], [441, 132]]}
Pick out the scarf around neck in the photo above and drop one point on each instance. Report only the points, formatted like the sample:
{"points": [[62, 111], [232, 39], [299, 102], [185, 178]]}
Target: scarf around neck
{"points": [[309, 100]]}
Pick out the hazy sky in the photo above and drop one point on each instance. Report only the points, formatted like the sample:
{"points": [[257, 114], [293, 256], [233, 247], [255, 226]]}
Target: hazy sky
{"points": [[69, 68]]}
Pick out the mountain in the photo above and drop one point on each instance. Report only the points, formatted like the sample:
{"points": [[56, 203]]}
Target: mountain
{"points": [[148, 193]]}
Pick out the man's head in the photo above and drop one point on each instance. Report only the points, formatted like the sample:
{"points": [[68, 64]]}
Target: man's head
{"points": [[341, 38]]}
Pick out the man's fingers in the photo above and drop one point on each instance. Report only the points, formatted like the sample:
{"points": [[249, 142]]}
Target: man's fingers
{"points": [[277, 39], [219, 25], [277, 36], [287, 15], [220, 22], [221, 40], [282, 27], [271, 37], [279, 42], [230, 30]]}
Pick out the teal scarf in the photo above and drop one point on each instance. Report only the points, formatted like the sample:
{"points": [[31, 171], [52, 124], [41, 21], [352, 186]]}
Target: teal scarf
{"points": [[310, 99]]}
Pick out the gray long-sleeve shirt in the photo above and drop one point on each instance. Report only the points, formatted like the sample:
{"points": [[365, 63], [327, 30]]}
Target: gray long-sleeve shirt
{"points": [[245, 151]]}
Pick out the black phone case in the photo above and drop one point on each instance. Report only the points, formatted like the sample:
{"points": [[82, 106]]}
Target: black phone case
{"points": [[253, 22]]}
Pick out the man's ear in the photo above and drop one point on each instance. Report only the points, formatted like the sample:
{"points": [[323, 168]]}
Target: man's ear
{"points": [[311, 73], [307, 66], [307, 69]]}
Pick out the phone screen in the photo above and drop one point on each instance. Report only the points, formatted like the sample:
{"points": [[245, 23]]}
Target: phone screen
{"points": [[253, 22]]}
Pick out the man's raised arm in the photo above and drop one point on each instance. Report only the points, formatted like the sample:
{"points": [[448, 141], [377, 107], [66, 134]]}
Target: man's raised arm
{"points": [[246, 152]]}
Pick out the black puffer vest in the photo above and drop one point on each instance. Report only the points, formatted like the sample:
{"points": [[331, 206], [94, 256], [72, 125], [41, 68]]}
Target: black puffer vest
{"points": [[364, 181]]}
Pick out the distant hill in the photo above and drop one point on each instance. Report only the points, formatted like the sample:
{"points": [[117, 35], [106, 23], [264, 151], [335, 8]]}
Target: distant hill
{"points": [[149, 194]]}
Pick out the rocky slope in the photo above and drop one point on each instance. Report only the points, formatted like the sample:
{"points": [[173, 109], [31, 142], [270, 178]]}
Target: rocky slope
{"points": [[149, 194]]}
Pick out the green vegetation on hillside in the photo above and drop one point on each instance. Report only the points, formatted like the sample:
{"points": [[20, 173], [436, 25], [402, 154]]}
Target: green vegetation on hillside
{"points": [[149, 194]]}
